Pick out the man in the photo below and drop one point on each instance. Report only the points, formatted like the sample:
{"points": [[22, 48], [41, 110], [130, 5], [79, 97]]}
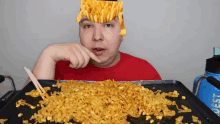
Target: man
{"points": [[97, 58]]}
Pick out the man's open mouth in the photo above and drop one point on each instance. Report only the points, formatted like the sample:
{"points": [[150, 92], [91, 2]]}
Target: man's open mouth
{"points": [[98, 51]]}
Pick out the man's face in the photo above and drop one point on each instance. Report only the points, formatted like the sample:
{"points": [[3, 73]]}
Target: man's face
{"points": [[103, 39]]}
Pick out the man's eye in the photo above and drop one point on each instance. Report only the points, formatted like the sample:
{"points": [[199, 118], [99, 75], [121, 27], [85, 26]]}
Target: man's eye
{"points": [[87, 26], [109, 25]]}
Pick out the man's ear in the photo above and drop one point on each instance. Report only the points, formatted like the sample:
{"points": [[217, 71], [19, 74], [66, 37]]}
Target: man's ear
{"points": [[122, 38]]}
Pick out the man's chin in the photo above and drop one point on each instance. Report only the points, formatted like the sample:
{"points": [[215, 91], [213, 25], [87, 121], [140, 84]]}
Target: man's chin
{"points": [[103, 64], [103, 60]]}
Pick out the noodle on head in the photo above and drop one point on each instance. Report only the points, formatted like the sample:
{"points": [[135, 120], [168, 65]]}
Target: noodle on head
{"points": [[100, 11]]}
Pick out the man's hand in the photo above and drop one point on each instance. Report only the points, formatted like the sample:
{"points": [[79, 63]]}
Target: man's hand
{"points": [[77, 54]]}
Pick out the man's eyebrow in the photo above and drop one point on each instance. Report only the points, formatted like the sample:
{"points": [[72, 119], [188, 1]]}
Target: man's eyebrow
{"points": [[85, 19], [113, 20]]}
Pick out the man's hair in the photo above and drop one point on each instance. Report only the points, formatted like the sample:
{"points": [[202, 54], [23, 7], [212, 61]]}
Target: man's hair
{"points": [[109, 0]]}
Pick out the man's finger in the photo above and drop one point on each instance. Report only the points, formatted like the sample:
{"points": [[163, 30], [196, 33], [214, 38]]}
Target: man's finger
{"points": [[94, 57], [79, 56], [74, 60], [85, 55]]}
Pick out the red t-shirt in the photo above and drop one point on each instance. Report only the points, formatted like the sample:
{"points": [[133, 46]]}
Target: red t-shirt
{"points": [[129, 68]]}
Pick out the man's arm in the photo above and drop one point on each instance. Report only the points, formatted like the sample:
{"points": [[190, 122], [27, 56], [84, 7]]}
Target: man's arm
{"points": [[77, 54], [44, 68]]}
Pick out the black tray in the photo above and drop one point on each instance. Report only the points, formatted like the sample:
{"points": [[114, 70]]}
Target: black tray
{"points": [[199, 109], [7, 97]]}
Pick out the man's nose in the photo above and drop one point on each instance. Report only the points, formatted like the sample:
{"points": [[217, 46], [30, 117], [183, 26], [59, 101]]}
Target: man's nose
{"points": [[97, 36]]}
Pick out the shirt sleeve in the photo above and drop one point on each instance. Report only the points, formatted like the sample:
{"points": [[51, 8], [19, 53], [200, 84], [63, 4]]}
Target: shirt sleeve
{"points": [[157, 76], [58, 72], [151, 71]]}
